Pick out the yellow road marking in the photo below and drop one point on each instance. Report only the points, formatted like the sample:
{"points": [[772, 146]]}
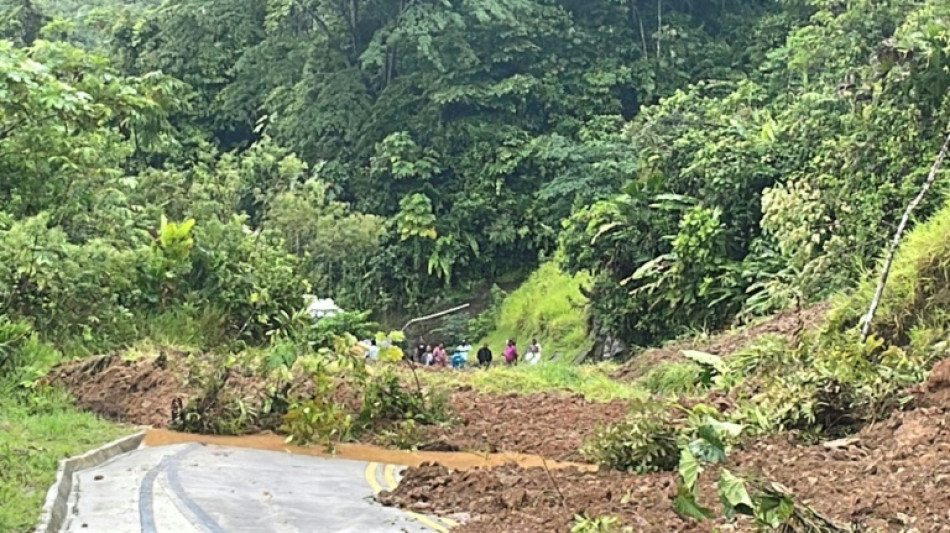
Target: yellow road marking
{"points": [[428, 521], [371, 477], [389, 472]]}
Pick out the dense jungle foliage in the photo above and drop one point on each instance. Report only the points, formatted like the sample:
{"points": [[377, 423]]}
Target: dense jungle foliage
{"points": [[210, 162]]}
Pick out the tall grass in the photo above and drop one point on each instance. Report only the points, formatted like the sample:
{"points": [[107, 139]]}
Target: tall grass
{"points": [[548, 306], [917, 293]]}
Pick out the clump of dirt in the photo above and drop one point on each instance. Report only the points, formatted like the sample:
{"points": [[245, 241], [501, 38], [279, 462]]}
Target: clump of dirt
{"points": [[787, 323], [137, 392], [552, 424], [527, 500]]}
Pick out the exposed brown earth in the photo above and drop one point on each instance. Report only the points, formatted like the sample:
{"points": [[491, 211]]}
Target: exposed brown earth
{"points": [[894, 476], [552, 424]]}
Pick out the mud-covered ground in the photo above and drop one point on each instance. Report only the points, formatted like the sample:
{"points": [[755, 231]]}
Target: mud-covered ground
{"points": [[551, 424], [893, 476]]}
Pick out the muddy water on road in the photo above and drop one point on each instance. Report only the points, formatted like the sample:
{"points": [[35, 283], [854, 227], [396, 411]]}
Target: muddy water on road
{"points": [[361, 452]]}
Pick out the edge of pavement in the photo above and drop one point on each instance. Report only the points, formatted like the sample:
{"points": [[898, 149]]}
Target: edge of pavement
{"points": [[57, 497]]}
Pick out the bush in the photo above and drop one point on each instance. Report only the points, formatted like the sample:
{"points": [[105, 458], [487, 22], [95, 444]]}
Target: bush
{"points": [[645, 442], [13, 335], [386, 399], [404, 435]]}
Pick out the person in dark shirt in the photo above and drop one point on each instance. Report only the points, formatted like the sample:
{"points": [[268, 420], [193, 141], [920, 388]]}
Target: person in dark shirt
{"points": [[420, 351], [484, 356]]}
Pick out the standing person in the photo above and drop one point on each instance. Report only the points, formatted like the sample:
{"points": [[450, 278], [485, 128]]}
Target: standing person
{"points": [[458, 359], [438, 355], [511, 353], [373, 353], [484, 356], [427, 356], [420, 351], [533, 355], [465, 348]]}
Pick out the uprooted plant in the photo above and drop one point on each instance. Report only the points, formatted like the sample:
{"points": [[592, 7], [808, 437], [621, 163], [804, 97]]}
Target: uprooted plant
{"points": [[770, 505], [386, 398]]}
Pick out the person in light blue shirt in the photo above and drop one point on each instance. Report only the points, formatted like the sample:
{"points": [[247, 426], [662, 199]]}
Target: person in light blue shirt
{"points": [[372, 353]]}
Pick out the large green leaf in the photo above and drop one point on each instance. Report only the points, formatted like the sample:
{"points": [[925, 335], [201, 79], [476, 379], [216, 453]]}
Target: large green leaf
{"points": [[689, 468], [707, 359], [732, 492], [686, 505]]}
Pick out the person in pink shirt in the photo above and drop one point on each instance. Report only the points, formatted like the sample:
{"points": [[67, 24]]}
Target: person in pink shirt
{"points": [[511, 353], [439, 357]]}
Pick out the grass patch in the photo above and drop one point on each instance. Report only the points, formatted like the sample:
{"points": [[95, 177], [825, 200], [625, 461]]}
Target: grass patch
{"points": [[917, 290], [548, 306], [673, 378], [591, 381], [33, 438]]}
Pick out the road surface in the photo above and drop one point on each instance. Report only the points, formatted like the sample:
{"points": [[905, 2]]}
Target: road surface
{"points": [[198, 488]]}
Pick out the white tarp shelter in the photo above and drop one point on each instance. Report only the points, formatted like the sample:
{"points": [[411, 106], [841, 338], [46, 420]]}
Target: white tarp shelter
{"points": [[321, 307]]}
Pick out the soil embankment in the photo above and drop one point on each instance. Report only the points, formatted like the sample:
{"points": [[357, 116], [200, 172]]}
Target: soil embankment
{"points": [[786, 324]]}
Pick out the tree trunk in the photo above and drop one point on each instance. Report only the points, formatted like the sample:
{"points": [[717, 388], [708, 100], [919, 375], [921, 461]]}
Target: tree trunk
{"points": [[885, 270]]}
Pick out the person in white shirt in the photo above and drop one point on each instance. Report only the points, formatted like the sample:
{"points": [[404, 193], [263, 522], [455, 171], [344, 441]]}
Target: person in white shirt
{"points": [[533, 356]]}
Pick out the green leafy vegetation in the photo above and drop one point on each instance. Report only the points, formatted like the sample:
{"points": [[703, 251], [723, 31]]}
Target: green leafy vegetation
{"points": [[645, 442], [550, 307], [185, 172]]}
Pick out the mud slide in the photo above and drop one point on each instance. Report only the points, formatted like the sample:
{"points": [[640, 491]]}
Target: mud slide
{"points": [[892, 476]]}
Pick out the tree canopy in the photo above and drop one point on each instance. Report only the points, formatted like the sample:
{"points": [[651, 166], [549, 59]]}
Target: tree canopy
{"points": [[704, 161]]}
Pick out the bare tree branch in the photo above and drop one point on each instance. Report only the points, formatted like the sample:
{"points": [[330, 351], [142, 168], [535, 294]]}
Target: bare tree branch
{"points": [[886, 268]]}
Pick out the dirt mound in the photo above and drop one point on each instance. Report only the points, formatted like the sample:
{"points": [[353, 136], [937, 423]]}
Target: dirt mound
{"points": [[892, 476], [137, 392], [517, 500], [551, 424], [787, 323]]}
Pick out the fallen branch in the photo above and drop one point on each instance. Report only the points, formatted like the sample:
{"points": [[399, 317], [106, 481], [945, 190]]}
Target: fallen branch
{"points": [[885, 270], [557, 487]]}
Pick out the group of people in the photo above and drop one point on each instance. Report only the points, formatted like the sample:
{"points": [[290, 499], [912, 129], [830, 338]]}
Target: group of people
{"points": [[437, 355], [428, 355]]}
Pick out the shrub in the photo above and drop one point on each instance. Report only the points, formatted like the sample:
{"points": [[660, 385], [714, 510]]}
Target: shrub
{"points": [[13, 335], [404, 435], [646, 441], [386, 399]]}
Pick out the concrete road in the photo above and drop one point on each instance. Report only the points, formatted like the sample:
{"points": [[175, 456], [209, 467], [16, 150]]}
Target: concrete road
{"points": [[196, 488]]}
